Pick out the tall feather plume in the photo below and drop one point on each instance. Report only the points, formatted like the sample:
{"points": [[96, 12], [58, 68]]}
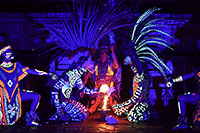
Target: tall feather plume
{"points": [[146, 44]]}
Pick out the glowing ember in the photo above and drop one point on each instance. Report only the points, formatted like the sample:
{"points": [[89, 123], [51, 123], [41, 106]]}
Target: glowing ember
{"points": [[104, 88]]}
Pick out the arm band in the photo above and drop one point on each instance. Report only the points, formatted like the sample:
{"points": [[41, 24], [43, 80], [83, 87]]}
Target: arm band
{"points": [[178, 79]]}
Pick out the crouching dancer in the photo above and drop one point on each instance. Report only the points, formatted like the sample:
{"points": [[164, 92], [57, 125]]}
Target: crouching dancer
{"points": [[67, 89], [10, 93], [136, 108]]}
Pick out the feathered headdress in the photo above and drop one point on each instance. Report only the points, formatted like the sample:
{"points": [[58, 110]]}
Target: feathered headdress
{"points": [[86, 24], [147, 38]]}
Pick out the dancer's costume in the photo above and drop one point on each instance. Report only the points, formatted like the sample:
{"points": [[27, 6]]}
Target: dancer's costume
{"points": [[189, 97], [70, 109], [141, 49], [10, 93]]}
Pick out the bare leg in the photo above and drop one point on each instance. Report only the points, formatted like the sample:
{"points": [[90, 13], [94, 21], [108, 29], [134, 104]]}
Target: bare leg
{"points": [[34, 97]]}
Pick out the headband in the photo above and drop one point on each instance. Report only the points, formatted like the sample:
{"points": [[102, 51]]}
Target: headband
{"points": [[4, 49]]}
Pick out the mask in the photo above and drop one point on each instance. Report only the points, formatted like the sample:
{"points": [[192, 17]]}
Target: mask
{"points": [[127, 60], [8, 55]]}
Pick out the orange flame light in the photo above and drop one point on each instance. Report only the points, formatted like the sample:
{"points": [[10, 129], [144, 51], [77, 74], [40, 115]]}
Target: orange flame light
{"points": [[105, 101], [104, 88]]}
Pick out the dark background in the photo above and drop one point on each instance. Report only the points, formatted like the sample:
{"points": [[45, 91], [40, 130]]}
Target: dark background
{"points": [[28, 50]]}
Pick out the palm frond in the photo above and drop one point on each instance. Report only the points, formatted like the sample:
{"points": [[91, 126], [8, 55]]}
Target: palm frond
{"points": [[88, 25]]}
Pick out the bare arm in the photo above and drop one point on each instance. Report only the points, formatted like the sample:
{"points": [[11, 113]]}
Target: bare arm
{"points": [[115, 61], [86, 77], [187, 76], [38, 72], [180, 79]]}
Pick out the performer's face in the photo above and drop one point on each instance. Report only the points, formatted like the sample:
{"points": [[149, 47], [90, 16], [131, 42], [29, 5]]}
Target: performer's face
{"points": [[127, 60], [104, 54], [8, 55]]}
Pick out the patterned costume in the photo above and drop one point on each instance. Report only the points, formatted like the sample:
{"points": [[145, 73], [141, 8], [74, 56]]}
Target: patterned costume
{"points": [[136, 108], [10, 94], [192, 98], [138, 53], [104, 73], [70, 108], [107, 72]]}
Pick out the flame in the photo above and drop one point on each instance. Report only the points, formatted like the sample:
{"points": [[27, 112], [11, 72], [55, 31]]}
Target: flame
{"points": [[104, 88], [105, 101]]}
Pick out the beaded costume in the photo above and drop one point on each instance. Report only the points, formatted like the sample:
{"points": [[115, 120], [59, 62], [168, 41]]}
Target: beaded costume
{"points": [[70, 107], [138, 51], [10, 93]]}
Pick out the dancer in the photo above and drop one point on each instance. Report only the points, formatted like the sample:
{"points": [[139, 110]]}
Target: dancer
{"points": [[138, 52], [67, 90], [138, 103], [191, 98], [107, 72], [10, 93]]}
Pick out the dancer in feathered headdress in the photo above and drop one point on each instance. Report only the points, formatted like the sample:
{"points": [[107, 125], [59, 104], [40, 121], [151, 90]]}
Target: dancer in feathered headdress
{"points": [[142, 49]]}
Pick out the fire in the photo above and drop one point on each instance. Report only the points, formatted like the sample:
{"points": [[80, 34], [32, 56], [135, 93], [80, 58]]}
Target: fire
{"points": [[105, 101], [104, 88]]}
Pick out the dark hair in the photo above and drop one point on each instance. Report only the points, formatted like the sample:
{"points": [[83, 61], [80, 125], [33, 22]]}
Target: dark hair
{"points": [[130, 51], [104, 42], [74, 65]]}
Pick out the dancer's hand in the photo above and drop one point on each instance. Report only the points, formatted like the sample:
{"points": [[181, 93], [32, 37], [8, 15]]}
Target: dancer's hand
{"points": [[169, 83], [117, 106], [119, 110], [96, 90], [53, 76]]}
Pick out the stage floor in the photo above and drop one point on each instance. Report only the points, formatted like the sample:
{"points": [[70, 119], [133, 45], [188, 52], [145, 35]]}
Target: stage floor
{"points": [[94, 124]]}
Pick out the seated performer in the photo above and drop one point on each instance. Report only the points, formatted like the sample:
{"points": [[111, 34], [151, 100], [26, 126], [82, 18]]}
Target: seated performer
{"points": [[191, 98], [136, 108], [10, 93], [70, 82], [141, 52], [107, 72]]}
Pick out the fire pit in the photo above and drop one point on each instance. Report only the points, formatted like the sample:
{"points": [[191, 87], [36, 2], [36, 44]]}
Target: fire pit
{"points": [[103, 113]]}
